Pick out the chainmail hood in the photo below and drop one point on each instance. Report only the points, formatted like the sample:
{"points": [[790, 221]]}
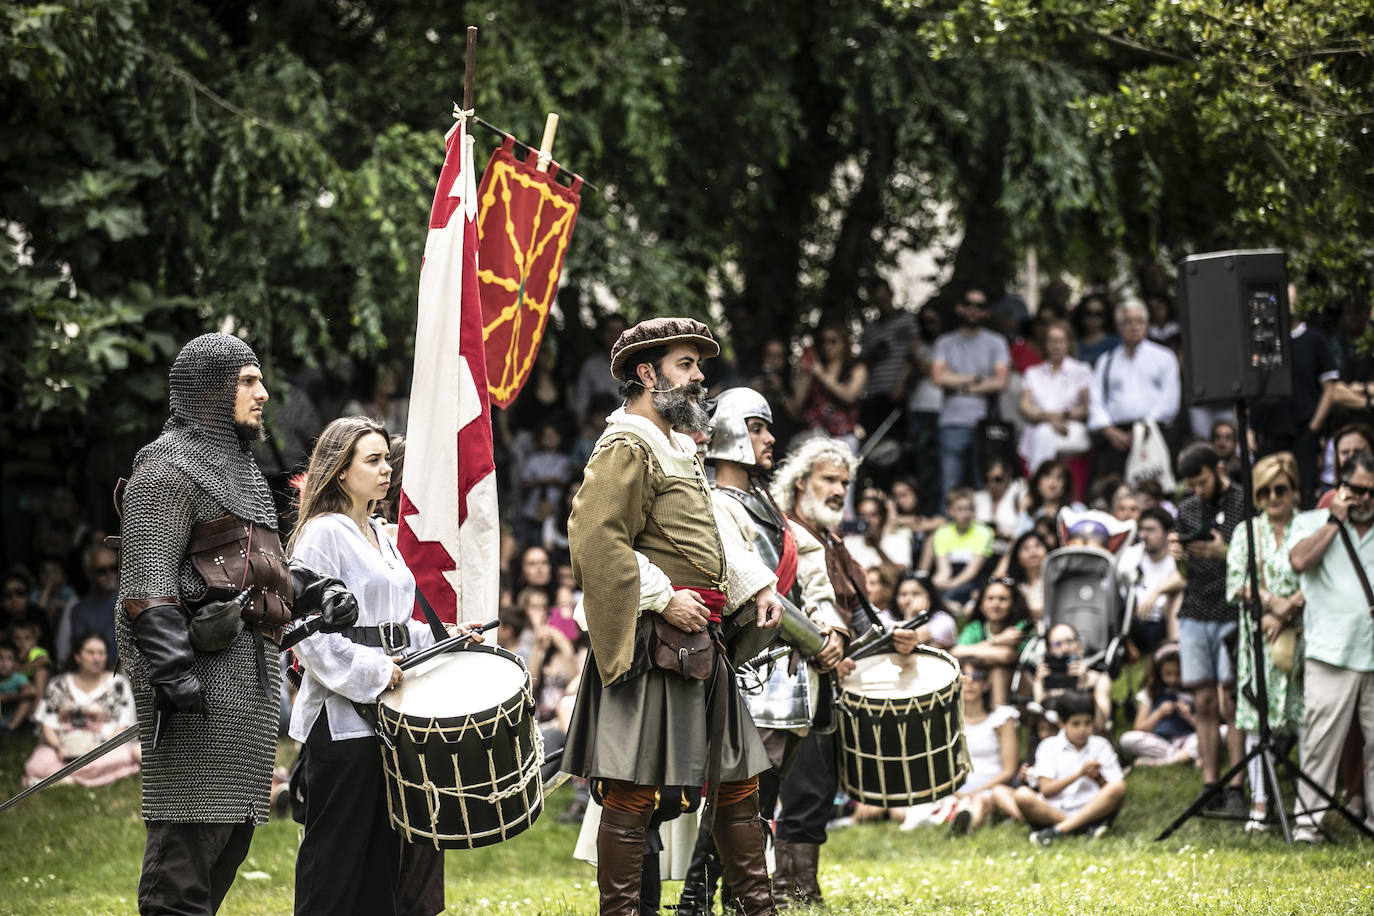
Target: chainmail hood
{"points": [[200, 438]]}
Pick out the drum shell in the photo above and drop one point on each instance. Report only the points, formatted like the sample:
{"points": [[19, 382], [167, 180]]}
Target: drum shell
{"points": [[900, 751], [439, 783]]}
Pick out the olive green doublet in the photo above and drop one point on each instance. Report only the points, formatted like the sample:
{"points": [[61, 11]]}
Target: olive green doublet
{"points": [[631, 721]]}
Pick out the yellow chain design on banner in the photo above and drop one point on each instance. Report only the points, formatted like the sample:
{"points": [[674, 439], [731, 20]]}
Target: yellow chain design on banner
{"points": [[537, 302]]}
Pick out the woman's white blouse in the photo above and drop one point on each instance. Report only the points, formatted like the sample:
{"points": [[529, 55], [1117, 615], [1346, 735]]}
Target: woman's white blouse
{"points": [[338, 671]]}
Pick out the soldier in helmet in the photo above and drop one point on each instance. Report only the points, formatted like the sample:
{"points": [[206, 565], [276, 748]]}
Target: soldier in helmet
{"points": [[756, 533], [204, 592]]}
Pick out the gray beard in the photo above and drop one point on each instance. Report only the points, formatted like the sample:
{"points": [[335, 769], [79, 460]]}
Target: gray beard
{"points": [[818, 513], [684, 409]]}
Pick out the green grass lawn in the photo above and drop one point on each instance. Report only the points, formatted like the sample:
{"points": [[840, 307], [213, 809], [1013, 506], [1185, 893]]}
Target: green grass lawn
{"points": [[71, 851]]}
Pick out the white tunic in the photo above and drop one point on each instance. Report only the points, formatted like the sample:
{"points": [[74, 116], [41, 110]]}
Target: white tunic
{"points": [[339, 671]]}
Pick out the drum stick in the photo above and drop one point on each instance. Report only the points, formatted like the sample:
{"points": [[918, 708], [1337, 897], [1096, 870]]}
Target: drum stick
{"points": [[445, 645], [309, 628], [884, 642]]}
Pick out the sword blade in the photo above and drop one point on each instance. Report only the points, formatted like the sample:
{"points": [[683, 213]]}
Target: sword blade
{"points": [[94, 753], [556, 780]]}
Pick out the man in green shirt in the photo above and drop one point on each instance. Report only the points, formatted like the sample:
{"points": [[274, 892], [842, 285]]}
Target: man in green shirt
{"points": [[1338, 669], [961, 549]]}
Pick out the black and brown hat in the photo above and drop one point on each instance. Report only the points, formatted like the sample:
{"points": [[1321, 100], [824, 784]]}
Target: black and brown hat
{"points": [[661, 332]]}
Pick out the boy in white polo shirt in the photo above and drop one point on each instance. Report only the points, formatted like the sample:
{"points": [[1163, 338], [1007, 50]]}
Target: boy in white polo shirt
{"points": [[1076, 783]]}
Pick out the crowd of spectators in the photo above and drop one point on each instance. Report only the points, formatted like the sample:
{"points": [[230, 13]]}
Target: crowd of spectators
{"points": [[979, 442]]}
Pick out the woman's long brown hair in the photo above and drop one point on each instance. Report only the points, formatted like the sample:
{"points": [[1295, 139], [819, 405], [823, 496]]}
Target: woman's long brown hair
{"points": [[333, 453]]}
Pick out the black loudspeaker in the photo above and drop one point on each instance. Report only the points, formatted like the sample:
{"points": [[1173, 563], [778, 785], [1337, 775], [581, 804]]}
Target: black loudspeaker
{"points": [[1233, 315]]}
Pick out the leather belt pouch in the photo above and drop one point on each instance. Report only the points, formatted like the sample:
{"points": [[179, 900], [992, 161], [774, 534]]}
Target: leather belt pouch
{"points": [[216, 625], [689, 655]]}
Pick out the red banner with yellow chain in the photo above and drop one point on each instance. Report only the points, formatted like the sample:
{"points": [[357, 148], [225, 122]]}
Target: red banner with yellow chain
{"points": [[525, 221]]}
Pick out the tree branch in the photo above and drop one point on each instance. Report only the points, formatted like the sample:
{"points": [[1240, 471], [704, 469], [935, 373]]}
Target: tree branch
{"points": [[197, 86]]}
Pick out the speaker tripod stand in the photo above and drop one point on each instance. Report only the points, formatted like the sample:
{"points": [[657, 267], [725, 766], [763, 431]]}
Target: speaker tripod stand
{"points": [[1271, 760]]}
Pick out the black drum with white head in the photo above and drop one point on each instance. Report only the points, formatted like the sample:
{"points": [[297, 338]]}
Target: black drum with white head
{"points": [[461, 749]]}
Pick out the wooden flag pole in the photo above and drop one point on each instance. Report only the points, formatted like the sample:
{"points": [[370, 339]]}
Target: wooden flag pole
{"points": [[469, 67], [546, 145]]}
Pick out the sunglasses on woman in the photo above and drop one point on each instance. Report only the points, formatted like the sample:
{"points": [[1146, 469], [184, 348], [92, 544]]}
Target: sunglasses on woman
{"points": [[1279, 490]]}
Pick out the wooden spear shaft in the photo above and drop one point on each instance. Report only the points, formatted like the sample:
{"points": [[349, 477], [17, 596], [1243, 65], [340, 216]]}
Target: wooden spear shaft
{"points": [[469, 67], [546, 145]]}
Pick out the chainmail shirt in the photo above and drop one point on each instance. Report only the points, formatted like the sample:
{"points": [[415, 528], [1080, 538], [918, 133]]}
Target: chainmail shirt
{"points": [[217, 767]]}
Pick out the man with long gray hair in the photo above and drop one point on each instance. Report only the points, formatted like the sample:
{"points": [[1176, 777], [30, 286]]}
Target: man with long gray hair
{"points": [[810, 488]]}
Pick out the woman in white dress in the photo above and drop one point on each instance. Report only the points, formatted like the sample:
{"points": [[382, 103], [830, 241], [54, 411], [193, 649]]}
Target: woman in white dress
{"points": [[990, 735], [1054, 401], [349, 859]]}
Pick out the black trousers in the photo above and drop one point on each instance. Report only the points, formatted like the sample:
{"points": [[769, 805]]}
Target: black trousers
{"points": [[808, 791], [187, 868], [421, 889], [350, 858], [1106, 459]]}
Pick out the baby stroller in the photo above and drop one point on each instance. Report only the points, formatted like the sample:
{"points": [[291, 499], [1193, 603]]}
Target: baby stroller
{"points": [[1083, 589]]}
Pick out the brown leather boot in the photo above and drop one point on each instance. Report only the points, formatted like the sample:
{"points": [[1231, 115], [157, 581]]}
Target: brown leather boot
{"points": [[739, 839], [620, 860], [806, 887], [782, 875]]}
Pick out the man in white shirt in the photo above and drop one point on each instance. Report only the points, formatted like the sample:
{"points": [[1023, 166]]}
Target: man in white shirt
{"points": [[1148, 569], [1138, 380]]}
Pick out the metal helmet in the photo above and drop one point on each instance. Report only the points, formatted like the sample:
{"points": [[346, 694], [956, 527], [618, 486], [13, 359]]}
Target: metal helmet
{"points": [[730, 425]]}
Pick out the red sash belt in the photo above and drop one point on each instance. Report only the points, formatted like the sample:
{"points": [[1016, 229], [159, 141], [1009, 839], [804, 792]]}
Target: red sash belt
{"points": [[714, 600], [787, 563]]}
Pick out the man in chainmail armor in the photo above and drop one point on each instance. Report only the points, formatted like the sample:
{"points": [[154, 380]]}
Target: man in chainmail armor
{"points": [[205, 590]]}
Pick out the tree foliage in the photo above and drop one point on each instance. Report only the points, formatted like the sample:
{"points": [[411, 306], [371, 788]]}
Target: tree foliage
{"points": [[1224, 124], [176, 165]]}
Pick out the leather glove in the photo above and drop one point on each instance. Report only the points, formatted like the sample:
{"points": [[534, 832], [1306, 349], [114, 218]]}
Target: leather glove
{"points": [[163, 637], [314, 592]]}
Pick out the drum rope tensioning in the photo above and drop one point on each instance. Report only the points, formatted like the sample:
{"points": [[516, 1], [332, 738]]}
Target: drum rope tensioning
{"points": [[902, 732], [462, 777]]}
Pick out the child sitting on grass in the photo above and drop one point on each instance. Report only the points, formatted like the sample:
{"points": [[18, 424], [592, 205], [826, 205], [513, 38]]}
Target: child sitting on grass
{"points": [[1164, 732], [16, 694], [1077, 782]]}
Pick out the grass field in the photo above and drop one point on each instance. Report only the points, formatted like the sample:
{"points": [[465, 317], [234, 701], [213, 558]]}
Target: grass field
{"points": [[71, 851]]}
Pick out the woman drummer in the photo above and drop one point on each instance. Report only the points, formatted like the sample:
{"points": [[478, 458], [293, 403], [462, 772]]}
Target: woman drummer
{"points": [[349, 857]]}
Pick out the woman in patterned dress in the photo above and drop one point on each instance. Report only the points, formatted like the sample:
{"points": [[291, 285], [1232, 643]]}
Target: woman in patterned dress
{"points": [[1276, 495], [81, 709]]}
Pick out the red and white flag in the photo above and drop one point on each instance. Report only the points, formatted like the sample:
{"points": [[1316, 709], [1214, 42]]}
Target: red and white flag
{"points": [[449, 530]]}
